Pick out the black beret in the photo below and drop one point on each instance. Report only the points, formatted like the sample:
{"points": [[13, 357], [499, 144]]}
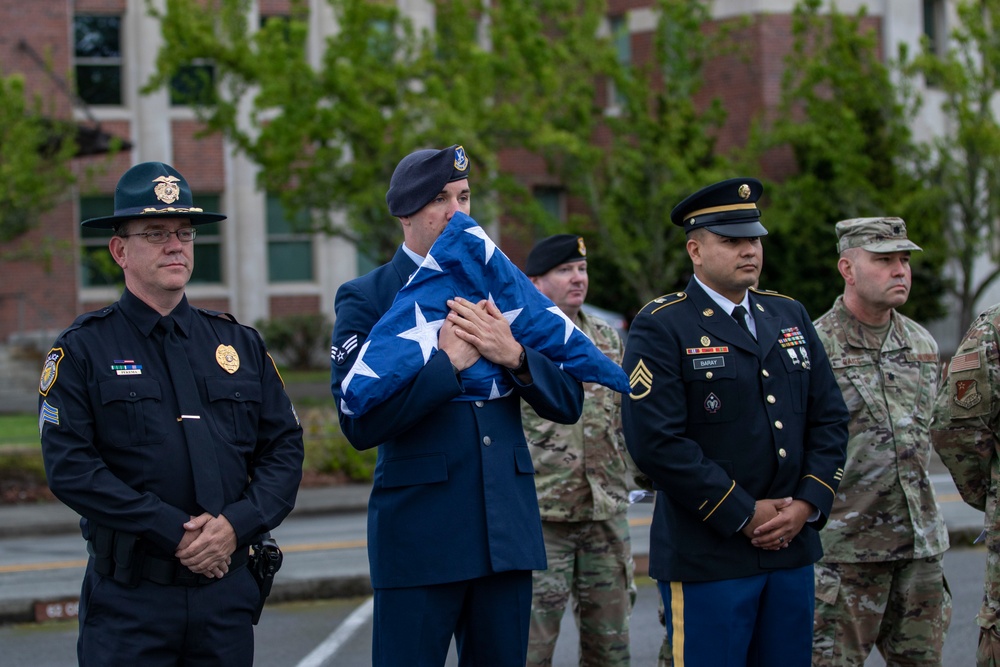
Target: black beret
{"points": [[422, 175], [728, 208], [553, 251], [149, 190]]}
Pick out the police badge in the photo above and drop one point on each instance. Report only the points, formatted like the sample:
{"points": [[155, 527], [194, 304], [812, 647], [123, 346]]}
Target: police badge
{"points": [[50, 371], [226, 356], [167, 191]]}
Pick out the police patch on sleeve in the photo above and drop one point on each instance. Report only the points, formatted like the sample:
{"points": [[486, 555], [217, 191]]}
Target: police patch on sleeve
{"points": [[339, 353], [50, 371]]}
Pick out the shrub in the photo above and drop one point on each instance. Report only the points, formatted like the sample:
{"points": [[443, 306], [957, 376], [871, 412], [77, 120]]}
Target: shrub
{"points": [[328, 451], [300, 342]]}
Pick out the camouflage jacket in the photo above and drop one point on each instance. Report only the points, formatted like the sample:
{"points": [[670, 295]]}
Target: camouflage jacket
{"points": [[581, 473], [885, 508]]}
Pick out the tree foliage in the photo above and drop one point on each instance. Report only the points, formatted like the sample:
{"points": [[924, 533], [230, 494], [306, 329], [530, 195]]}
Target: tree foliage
{"points": [[34, 159], [846, 123], [964, 163]]}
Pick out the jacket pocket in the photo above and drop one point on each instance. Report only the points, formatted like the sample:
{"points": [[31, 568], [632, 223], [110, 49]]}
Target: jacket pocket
{"points": [[132, 414], [411, 470]]}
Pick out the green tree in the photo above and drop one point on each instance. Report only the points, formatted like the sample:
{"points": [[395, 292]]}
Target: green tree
{"points": [[35, 154], [963, 168], [328, 136], [846, 124]]}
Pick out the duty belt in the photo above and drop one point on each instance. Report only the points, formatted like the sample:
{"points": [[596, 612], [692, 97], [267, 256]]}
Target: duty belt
{"points": [[170, 572]]}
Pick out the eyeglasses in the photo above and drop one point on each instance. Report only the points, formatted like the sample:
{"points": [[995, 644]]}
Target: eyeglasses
{"points": [[185, 235]]}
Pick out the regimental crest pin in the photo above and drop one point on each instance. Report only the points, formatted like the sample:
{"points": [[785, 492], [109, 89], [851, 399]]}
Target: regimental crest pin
{"points": [[706, 341], [227, 358], [967, 393], [461, 159], [167, 190], [712, 403]]}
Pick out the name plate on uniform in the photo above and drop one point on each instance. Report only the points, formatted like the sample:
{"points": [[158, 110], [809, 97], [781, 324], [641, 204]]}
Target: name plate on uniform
{"points": [[708, 363]]}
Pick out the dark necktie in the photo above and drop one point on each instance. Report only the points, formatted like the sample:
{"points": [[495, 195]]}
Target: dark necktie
{"points": [[201, 447], [740, 315]]}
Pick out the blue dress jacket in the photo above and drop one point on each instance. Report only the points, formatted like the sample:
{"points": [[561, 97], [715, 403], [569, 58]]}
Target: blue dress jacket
{"points": [[718, 421], [453, 496]]}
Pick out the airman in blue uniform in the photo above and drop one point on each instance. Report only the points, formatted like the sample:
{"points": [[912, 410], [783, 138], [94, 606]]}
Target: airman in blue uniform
{"points": [[453, 524], [736, 417], [175, 467]]}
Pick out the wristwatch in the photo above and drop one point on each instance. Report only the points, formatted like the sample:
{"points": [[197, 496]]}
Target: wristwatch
{"points": [[522, 363]]}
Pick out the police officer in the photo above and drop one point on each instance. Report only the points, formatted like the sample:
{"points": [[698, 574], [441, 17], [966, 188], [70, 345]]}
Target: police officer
{"points": [[167, 428], [965, 431], [453, 526], [736, 417], [881, 581], [582, 482]]}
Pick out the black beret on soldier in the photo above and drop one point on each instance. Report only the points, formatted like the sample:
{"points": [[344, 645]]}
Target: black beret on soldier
{"points": [[421, 176], [555, 250]]}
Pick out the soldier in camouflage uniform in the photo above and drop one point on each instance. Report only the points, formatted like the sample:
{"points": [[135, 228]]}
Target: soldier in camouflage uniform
{"points": [[880, 582], [966, 433], [582, 480]]}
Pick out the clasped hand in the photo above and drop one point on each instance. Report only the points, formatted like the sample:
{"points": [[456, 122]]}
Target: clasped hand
{"points": [[776, 522], [474, 330], [207, 545]]}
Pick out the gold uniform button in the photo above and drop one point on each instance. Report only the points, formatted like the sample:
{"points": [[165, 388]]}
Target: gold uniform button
{"points": [[765, 373], [778, 425], [771, 399], [708, 375], [782, 453]]}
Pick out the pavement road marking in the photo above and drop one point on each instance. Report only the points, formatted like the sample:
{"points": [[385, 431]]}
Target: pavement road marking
{"points": [[329, 647]]}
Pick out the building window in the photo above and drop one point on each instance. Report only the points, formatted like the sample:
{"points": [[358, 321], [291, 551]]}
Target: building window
{"points": [[289, 244], [193, 85], [98, 59], [551, 201], [98, 269], [622, 41]]}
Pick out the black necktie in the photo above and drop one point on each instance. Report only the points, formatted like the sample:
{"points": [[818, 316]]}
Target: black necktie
{"points": [[740, 315], [201, 447]]}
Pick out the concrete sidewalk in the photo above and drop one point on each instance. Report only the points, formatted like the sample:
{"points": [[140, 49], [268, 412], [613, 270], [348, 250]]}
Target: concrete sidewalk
{"points": [[42, 556]]}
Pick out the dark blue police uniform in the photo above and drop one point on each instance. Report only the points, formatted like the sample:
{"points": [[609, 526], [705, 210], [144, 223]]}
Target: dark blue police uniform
{"points": [[453, 523], [115, 452]]}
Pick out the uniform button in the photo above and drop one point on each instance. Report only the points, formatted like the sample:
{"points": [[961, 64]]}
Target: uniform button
{"points": [[782, 453], [237, 394], [765, 373], [487, 441], [708, 375], [480, 404], [131, 394], [778, 425], [770, 399]]}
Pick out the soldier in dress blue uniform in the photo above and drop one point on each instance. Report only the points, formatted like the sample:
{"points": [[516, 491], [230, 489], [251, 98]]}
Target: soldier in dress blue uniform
{"points": [[737, 418], [453, 524], [167, 428]]}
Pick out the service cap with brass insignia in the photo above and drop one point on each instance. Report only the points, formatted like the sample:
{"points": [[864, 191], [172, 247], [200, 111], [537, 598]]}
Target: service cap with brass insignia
{"points": [[728, 208], [227, 358]]}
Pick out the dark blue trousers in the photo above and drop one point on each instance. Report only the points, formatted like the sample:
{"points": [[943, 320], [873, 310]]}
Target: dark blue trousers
{"points": [[488, 617], [155, 626], [757, 621]]}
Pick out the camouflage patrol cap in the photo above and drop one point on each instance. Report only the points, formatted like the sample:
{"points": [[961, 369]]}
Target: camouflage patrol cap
{"points": [[874, 235]]}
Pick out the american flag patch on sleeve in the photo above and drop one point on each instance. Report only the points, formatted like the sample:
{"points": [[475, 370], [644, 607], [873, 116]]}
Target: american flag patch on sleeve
{"points": [[964, 362]]}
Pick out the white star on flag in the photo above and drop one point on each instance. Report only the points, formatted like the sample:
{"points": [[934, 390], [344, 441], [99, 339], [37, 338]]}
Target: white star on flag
{"points": [[424, 333], [464, 262]]}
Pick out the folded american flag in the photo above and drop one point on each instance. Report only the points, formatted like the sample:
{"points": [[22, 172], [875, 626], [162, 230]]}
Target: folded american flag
{"points": [[465, 262]]}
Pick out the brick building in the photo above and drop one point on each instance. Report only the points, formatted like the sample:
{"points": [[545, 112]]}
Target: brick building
{"points": [[252, 265]]}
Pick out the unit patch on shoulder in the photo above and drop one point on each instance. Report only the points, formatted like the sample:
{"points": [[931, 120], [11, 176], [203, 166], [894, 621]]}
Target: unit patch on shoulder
{"points": [[640, 377], [50, 371], [967, 394], [339, 353]]}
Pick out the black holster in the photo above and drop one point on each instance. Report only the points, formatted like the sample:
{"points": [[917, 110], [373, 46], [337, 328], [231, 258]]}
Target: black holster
{"points": [[265, 561], [117, 554]]}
